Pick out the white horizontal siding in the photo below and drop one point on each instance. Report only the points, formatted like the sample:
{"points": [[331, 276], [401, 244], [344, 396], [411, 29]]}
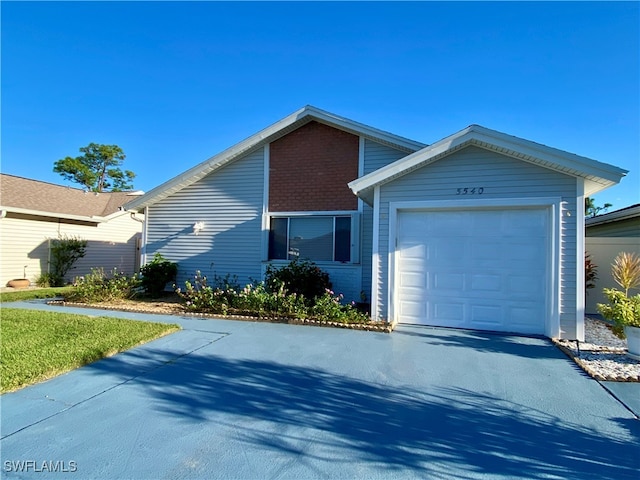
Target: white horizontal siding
{"points": [[229, 203], [376, 156], [500, 177], [345, 280], [25, 242]]}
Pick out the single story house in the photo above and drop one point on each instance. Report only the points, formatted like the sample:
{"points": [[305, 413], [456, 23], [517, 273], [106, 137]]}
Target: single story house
{"points": [[479, 230], [33, 212], [606, 236]]}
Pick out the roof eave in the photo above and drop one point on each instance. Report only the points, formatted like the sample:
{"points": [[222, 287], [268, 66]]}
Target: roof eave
{"points": [[618, 215], [39, 213], [597, 175]]}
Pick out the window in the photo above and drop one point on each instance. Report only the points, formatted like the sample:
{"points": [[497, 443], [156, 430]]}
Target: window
{"points": [[316, 238]]}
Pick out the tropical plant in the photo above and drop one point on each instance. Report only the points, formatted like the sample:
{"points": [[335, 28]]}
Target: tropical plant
{"points": [[626, 271], [590, 272], [591, 209], [623, 310]]}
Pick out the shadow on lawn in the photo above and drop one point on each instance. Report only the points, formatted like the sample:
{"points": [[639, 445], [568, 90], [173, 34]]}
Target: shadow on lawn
{"points": [[451, 432]]}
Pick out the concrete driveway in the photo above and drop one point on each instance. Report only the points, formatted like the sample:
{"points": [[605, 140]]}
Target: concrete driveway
{"points": [[244, 400]]}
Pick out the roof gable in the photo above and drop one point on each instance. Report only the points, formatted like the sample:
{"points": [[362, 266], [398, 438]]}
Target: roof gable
{"points": [[597, 175], [33, 197], [265, 136]]}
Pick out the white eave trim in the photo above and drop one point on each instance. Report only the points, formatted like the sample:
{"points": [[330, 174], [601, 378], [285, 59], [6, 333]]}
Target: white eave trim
{"points": [[599, 175], [81, 218], [282, 127]]}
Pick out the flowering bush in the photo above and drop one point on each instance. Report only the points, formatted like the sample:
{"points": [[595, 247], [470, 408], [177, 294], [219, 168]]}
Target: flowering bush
{"points": [[328, 307], [99, 286], [260, 301]]}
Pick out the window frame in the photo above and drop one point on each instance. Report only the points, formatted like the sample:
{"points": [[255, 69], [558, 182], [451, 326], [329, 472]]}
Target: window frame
{"points": [[354, 234]]}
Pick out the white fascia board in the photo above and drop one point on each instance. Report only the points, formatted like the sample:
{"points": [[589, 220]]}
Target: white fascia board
{"points": [[558, 159], [38, 213], [599, 175], [277, 129]]}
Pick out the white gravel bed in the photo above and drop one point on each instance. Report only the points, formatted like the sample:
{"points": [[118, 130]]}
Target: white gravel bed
{"points": [[602, 355]]}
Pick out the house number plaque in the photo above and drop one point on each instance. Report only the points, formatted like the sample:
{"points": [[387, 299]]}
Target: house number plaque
{"points": [[470, 191]]}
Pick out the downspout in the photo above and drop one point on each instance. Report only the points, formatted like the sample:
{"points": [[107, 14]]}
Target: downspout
{"points": [[143, 248]]}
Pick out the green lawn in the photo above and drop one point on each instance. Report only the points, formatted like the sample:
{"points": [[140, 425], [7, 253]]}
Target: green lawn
{"points": [[39, 345], [31, 293]]}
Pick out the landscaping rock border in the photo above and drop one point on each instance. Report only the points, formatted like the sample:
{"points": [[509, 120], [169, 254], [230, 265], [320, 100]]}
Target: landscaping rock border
{"points": [[163, 309], [602, 355]]}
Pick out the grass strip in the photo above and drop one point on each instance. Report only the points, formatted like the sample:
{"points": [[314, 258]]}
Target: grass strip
{"points": [[30, 294], [38, 345]]}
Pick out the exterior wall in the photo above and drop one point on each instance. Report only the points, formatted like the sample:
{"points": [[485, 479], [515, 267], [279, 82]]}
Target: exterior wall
{"points": [[603, 250], [309, 170], [629, 227], [376, 156], [500, 177], [25, 242], [229, 203]]}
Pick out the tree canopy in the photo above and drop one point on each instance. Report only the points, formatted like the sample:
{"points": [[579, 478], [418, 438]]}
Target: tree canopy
{"points": [[591, 209], [98, 169]]}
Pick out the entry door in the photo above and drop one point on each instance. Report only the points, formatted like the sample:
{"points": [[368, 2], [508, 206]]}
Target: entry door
{"points": [[478, 269]]}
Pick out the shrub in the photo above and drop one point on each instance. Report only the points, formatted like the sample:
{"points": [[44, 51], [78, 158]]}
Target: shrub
{"points": [[300, 277], [45, 280], [157, 273], [65, 251], [260, 301], [101, 287], [621, 310], [199, 296], [328, 307]]}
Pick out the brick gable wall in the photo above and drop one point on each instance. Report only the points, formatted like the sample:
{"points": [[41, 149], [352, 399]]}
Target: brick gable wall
{"points": [[309, 170]]}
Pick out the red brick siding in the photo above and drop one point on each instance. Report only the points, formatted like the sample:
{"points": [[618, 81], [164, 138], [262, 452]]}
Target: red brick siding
{"points": [[309, 169]]}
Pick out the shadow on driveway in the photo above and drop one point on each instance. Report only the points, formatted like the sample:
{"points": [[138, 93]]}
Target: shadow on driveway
{"points": [[449, 432]]}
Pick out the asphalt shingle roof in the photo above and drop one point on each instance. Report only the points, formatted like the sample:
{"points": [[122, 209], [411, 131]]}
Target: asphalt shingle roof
{"points": [[24, 193]]}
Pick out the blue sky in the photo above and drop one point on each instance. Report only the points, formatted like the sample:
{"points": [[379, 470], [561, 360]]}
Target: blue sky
{"points": [[173, 83]]}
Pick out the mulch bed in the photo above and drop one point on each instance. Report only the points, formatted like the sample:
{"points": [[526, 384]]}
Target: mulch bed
{"points": [[172, 307]]}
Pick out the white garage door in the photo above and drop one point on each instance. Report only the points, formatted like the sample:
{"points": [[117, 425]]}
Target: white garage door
{"points": [[478, 269]]}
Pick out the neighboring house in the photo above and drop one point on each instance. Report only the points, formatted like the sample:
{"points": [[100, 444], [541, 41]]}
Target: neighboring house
{"points": [[480, 230], [33, 213], [606, 236]]}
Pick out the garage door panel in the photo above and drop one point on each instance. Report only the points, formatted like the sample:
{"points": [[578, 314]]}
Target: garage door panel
{"points": [[448, 314], [525, 318], [415, 280], [448, 281], [486, 283], [484, 269]]}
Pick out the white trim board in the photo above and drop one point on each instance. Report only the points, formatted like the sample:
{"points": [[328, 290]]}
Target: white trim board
{"points": [[551, 204]]}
